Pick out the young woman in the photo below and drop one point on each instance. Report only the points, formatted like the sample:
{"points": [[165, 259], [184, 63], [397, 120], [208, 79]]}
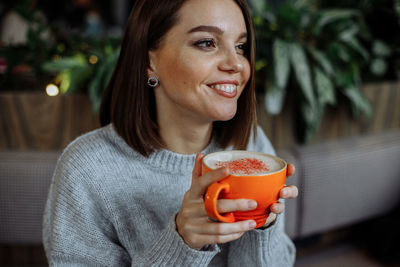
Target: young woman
{"points": [[131, 192]]}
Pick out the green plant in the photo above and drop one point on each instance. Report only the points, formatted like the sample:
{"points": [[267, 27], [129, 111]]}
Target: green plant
{"points": [[316, 53], [25, 59], [87, 69], [383, 20], [74, 63]]}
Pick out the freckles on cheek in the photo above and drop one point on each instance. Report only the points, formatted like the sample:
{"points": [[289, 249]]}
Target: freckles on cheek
{"points": [[184, 73], [175, 72]]}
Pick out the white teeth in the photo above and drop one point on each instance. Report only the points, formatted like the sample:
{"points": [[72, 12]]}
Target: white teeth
{"points": [[229, 88]]}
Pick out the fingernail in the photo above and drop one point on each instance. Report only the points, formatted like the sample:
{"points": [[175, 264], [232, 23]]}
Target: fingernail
{"points": [[251, 204], [284, 192], [252, 224]]}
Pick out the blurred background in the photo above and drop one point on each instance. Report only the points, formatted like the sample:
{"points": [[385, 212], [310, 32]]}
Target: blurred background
{"points": [[328, 97]]}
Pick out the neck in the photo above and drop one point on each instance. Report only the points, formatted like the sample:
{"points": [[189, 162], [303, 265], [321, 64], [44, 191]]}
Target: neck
{"points": [[187, 138]]}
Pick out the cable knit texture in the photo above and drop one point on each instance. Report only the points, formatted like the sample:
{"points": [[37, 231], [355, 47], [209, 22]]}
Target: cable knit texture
{"points": [[110, 206]]}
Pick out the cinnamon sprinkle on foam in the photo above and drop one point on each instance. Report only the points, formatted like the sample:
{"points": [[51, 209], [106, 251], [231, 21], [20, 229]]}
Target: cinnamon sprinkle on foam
{"points": [[244, 166]]}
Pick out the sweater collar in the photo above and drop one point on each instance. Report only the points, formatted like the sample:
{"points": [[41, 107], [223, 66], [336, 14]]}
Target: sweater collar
{"points": [[163, 159]]}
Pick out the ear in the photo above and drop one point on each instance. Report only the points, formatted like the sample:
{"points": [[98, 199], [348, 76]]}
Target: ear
{"points": [[152, 63]]}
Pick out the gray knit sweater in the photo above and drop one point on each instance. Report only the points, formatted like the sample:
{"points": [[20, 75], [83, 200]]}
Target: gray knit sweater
{"points": [[110, 206]]}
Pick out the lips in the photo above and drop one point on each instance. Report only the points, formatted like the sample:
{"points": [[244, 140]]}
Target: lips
{"points": [[225, 88]]}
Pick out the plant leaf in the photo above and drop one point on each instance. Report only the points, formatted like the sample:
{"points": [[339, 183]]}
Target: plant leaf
{"points": [[257, 5], [378, 66], [302, 71], [64, 79], [260, 64], [303, 3], [349, 32], [343, 53], [101, 79], [309, 108], [381, 49], [329, 16], [360, 103], [355, 44], [322, 60], [396, 5], [311, 117], [325, 88], [343, 79], [281, 56], [65, 63], [78, 77], [274, 98]]}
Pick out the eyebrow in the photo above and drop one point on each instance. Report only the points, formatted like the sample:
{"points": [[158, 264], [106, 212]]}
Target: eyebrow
{"points": [[205, 28]]}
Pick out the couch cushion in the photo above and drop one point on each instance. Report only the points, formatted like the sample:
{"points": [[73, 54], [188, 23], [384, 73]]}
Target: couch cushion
{"points": [[24, 183], [347, 181]]}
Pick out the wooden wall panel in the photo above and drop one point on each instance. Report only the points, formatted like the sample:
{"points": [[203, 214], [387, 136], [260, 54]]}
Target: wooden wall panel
{"points": [[338, 121], [35, 121]]}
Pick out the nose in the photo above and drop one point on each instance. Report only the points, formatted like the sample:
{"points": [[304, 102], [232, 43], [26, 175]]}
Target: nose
{"points": [[231, 62]]}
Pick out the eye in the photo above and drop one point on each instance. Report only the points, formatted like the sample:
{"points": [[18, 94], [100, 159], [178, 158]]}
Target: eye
{"points": [[205, 44], [242, 48]]}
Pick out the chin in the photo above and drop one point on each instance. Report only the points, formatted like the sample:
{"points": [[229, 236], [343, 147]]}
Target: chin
{"points": [[226, 116]]}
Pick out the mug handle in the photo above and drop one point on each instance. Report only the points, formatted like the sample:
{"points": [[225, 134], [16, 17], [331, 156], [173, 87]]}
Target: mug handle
{"points": [[210, 202]]}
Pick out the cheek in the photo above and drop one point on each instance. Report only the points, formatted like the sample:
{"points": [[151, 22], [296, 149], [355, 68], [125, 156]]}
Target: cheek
{"points": [[183, 69]]}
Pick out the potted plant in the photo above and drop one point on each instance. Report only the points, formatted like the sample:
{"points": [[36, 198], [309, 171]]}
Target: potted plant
{"points": [[318, 55]]}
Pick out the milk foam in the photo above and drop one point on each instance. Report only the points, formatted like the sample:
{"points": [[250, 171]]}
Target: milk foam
{"points": [[213, 161]]}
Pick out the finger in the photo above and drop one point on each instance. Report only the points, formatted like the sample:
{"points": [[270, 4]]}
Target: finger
{"points": [[223, 206], [228, 205], [290, 191], [200, 185], [277, 208], [290, 169], [195, 210], [271, 217], [218, 228], [217, 239], [197, 166]]}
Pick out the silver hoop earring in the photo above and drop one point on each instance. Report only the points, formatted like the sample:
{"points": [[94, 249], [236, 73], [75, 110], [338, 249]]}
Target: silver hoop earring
{"points": [[152, 81]]}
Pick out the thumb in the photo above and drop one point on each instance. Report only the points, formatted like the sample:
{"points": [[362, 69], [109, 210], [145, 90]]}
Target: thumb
{"points": [[196, 173], [201, 182], [290, 169]]}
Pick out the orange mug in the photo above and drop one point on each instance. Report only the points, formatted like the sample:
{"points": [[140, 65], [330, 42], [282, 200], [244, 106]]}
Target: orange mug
{"points": [[261, 182]]}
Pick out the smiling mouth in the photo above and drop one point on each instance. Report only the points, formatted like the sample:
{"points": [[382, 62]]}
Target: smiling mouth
{"points": [[227, 88]]}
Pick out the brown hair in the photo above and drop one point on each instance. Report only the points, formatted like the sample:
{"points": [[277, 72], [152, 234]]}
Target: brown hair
{"points": [[130, 104]]}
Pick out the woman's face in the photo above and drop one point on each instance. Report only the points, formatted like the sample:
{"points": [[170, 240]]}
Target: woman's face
{"points": [[201, 63]]}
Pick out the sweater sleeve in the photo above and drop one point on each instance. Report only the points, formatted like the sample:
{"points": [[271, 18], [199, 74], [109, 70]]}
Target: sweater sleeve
{"points": [[78, 229], [170, 250], [268, 247]]}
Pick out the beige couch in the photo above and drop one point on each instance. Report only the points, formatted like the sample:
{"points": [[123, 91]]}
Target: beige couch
{"points": [[341, 183]]}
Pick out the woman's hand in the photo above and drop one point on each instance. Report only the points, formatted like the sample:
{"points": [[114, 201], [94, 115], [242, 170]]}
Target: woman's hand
{"points": [[287, 192], [192, 222]]}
